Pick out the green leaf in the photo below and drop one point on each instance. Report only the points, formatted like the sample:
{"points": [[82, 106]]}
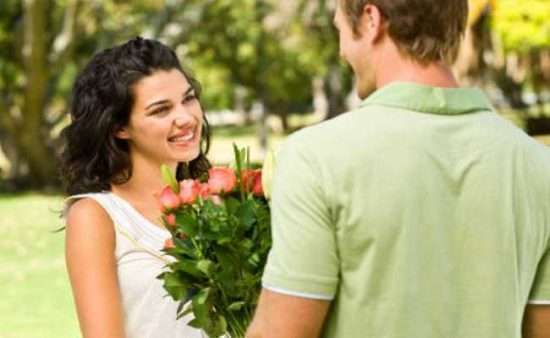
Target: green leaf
{"points": [[187, 222], [206, 266], [175, 287], [246, 213], [202, 311], [183, 312], [235, 306], [189, 268], [254, 260], [232, 204], [202, 296], [220, 326], [169, 177], [196, 323]]}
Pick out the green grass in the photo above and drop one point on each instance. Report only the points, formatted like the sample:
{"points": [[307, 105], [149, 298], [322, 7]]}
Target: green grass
{"points": [[36, 300]]}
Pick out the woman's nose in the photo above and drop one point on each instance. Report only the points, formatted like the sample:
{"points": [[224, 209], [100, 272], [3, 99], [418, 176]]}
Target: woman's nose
{"points": [[182, 118]]}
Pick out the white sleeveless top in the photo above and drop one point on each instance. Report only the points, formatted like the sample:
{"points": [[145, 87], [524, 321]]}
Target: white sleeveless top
{"points": [[149, 312]]}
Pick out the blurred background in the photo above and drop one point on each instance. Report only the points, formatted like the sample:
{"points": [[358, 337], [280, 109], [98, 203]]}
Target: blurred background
{"points": [[268, 67]]}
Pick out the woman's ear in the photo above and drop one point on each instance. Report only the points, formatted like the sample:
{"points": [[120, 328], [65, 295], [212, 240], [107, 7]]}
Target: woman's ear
{"points": [[122, 133]]}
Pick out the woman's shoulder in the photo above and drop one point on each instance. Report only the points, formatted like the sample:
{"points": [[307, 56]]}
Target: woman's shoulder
{"points": [[86, 215]]}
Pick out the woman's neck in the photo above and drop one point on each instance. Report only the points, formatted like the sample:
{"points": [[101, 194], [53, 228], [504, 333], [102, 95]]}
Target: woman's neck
{"points": [[144, 183]]}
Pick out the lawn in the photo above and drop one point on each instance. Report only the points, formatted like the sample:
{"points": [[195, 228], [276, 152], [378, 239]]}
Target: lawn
{"points": [[35, 294]]}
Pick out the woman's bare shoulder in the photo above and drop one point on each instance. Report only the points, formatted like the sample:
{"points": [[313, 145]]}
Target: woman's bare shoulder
{"points": [[86, 217]]}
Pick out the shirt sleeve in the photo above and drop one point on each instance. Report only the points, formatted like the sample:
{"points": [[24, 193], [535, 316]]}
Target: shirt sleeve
{"points": [[303, 260], [540, 293]]}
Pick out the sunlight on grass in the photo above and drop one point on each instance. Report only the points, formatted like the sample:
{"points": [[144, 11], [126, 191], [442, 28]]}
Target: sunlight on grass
{"points": [[36, 296]]}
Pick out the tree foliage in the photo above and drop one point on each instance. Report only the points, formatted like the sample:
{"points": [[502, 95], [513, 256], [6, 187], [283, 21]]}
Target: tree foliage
{"points": [[523, 25], [243, 51]]}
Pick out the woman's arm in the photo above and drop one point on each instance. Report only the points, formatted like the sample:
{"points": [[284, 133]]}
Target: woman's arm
{"points": [[91, 263]]}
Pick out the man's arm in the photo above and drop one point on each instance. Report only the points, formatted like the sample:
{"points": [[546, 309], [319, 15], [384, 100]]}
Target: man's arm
{"points": [[536, 321], [283, 316]]}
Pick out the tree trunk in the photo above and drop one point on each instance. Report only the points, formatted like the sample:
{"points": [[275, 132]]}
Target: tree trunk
{"points": [[31, 138], [336, 92]]}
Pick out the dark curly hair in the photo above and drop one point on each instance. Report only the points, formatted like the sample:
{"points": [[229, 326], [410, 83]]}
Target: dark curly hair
{"points": [[102, 98]]}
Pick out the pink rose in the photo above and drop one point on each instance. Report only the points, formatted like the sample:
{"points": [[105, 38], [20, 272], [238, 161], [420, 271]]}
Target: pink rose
{"points": [[169, 244], [221, 179], [170, 219], [189, 191], [168, 199]]}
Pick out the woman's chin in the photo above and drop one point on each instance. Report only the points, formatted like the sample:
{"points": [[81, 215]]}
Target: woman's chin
{"points": [[188, 155]]}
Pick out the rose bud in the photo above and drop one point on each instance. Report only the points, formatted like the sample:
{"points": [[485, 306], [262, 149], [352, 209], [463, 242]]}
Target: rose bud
{"points": [[257, 188], [170, 219], [221, 179], [169, 244], [168, 199], [249, 178], [189, 191]]}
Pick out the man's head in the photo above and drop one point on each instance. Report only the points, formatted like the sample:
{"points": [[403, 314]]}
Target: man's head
{"points": [[424, 31]]}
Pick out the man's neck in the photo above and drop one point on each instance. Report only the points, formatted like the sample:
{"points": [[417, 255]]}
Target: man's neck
{"points": [[404, 69]]}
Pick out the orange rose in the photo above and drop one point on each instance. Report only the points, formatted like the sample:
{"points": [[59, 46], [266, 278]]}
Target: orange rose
{"points": [[221, 179], [189, 191]]}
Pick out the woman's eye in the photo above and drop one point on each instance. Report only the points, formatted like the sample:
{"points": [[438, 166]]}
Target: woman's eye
{"points": [[161, 110], [189, 98]]}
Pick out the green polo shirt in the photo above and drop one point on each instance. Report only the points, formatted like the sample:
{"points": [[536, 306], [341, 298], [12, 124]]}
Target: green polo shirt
{"points": [[420, 214]]}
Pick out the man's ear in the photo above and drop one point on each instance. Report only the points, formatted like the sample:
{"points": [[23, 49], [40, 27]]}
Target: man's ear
{"points": [[372, 22]]}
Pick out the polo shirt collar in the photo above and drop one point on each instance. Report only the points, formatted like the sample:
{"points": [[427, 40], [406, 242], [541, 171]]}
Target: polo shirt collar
{"points": [[427, 99]]}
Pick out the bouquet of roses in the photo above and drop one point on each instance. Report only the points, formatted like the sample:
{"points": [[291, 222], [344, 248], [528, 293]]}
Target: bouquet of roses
{"points": [[221, 236]]}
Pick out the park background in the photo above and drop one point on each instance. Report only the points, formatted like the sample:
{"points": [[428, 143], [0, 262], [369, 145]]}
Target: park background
{"points": [[268, 68]]}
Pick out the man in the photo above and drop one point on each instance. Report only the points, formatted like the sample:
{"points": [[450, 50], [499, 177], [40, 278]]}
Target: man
{"points": [[422, 214]]}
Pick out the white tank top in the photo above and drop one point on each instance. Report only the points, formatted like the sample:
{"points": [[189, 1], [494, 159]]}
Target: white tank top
{"points": [[148, 310]]}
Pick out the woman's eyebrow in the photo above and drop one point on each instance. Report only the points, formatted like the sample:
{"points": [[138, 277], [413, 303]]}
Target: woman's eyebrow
{"points": [[188, 91], [157, 103]]}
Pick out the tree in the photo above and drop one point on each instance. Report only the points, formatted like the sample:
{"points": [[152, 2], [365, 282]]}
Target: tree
{"points": [[42, 44]]}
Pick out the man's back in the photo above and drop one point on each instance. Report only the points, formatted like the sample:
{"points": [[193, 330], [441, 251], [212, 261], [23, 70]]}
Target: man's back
{"points": [[438, 210]]}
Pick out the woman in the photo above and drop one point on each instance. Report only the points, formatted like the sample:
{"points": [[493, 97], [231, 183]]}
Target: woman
{"points": [[133, 108]]}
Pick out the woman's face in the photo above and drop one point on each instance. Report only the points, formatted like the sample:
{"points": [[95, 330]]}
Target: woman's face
{"points": [[166, 120]]}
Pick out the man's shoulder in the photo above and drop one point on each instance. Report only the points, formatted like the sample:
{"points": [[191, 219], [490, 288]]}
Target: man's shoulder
{"points": [[337, 127]]}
